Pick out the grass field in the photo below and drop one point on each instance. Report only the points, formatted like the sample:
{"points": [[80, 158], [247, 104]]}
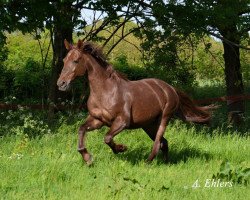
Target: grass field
{"points": [[49, 167]]}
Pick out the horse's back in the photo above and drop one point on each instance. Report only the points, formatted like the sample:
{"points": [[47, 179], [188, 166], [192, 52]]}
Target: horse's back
{"points": [[155, 87]]}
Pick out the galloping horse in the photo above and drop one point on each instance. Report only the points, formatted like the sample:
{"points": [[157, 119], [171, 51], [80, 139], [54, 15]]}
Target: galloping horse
{"points": [[119, 103]]}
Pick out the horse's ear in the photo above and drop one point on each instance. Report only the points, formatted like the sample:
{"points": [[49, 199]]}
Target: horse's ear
{"points": [[79, 44], [68, 46]]}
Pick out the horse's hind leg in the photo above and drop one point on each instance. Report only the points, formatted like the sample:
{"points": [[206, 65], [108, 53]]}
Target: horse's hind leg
{"points": [[90, 124], [151, 130], [159, 141], [158, 138]]}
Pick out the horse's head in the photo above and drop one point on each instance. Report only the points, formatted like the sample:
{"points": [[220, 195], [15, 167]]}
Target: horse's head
{"points": [[74, 65]]}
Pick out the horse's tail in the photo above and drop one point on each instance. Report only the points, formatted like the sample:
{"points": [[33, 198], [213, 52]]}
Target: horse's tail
{"points": [[190, 112]]}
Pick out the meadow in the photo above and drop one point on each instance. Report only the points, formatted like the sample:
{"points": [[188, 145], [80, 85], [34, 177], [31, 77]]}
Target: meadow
{"points": [[40, 161]]}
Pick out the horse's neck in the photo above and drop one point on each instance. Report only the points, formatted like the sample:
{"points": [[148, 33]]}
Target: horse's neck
{"points": [[97, 76]]}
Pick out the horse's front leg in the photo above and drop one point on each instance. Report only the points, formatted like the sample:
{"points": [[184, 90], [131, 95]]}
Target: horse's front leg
{"points": [[118, 125], [90, 124]]}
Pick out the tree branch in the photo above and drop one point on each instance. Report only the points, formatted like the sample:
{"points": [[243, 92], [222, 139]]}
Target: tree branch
{"points": [[244, 12], [214, 57], [117, 42], [122, 38], [226, 40]]}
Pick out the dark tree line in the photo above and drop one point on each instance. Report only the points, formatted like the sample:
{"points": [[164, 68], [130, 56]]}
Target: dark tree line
{"points": [[162, 24]]}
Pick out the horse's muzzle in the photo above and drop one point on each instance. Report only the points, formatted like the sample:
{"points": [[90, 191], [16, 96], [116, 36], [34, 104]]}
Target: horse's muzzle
{"points": [[63, 85]]}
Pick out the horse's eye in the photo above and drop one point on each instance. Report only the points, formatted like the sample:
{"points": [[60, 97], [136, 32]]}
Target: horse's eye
{"points": [[76, 61]]}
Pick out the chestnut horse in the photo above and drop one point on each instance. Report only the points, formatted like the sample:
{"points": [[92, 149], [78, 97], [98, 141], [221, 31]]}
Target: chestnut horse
{"points": [[119, 103]]}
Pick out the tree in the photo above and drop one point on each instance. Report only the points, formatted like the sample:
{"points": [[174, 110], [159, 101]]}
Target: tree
{"points": [[233, 31], [61, 28], [59, 17], [229, 21]]}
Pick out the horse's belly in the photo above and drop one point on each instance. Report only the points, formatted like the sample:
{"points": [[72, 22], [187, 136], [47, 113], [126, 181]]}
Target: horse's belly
{"points": [[144, 113]]}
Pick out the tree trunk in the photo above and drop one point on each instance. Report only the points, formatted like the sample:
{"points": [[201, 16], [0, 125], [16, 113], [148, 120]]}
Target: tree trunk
{"points": [[233, 75], [62, 30]]}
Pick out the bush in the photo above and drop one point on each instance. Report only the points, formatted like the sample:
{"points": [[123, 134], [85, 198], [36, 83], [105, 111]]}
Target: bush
{"points": [[27, 82], [131, 71], [6, 75], [28, 78], [179, 76], [238, 175], [6, 80], [23, 123]]}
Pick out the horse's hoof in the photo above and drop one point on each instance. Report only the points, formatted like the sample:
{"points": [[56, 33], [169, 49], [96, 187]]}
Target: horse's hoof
{"points": [[120, 148], [90, 161], [165, 159]]}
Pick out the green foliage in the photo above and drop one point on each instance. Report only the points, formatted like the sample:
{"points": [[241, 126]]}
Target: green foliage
{"points": [[238, 175], [208, 60], [30, 80], [130, 46], [31, 127], [26, 82], [132, 72], [34, 16], [245, 64], [3, 54], [23, 123], [24, 78], [6, 75], [23, 48], [178, 76], [164, 55], [23, 74], [6, 79]]}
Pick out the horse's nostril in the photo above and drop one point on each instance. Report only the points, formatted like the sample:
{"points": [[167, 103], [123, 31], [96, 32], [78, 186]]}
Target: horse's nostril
{"points": [[61, 83]]}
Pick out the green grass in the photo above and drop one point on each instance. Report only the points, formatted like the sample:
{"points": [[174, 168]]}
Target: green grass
{"points": [[49, 167]]}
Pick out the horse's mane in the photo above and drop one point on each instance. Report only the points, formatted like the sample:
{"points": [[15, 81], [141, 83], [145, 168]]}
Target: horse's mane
{"points": [[115, 74], [95, 51], [98, 54]]}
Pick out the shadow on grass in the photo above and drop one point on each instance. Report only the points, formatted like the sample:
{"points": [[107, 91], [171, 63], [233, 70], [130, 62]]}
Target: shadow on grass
{"points": [[185, 154], [137, 155]]}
